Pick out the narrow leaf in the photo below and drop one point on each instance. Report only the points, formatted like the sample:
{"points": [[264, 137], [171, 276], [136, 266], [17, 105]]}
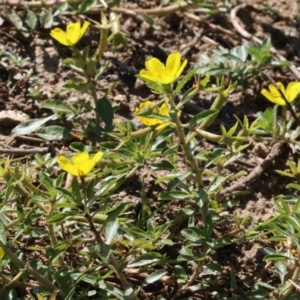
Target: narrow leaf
{"points": [[153, 277], [30, 126]]}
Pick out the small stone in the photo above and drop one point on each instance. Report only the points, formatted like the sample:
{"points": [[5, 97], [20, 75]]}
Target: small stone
{"points": [[10, 118]]}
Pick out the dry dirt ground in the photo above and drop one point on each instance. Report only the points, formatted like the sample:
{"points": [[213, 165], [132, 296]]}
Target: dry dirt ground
{"points": [[191, 34]]}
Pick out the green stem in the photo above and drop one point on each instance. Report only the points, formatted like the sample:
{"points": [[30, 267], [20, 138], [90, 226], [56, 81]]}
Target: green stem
{"points": [[113, 261], [186, 151], [53, 240], [215, 138], [83, 185], [95, 98], [102, 39], [283, 120]]}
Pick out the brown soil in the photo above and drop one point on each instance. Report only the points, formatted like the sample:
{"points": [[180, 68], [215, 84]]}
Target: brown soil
{"points": [[190, 34]]}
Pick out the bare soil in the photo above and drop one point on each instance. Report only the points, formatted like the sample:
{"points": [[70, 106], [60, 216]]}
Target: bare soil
{"points": [[190, 34]]}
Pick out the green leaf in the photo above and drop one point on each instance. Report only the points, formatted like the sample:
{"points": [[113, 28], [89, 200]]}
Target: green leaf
{"points": [[80, 147], [109, 289], [162, 165], [146, 112], [211, 268], [172, 176], [111, 230], [13, 17], [233, 57], [276, 257], [64, 205], [280, 63], [129, 294], [241, 52], [57, 106], [46, 18], [60, 8], [178, 195], [113, 214], [180, 274], [65, 193], [153, 277], [31, 19], [105, 110], [86, 5], [294, 186], [216, 183], [2, 233], [147, 19], [193, 234], [77, 196], [54, 133], [293, 222], [57, 218], [30, 126], [145, 259], [90, 190], [185, 79], [202, 116]]}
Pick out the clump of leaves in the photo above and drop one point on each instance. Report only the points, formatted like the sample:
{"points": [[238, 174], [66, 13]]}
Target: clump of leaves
{"points": [[242, 63]]}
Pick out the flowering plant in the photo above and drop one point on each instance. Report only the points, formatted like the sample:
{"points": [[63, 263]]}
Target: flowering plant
{"points": [[80, 164], [290, 93], [72, 35], [164, 74]]}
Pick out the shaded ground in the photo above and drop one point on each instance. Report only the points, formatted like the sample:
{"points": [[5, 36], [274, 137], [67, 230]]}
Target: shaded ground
{"points": [[191, 34]]}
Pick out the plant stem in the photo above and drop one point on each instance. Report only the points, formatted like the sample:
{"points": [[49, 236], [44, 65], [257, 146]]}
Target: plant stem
{"points": [[54, 243], [111, 257], [103, 38], [95, 99], [185, 148]]}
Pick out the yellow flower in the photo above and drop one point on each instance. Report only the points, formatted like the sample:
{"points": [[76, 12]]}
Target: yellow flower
{"points": [[164, 74], [148, 121], [80, 164], [290, 93], [72, 35]]}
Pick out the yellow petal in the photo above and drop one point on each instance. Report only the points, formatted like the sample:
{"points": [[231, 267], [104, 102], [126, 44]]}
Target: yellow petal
{"points": [[274, 90], [274, 95], [97, 156], [147, 121], [60, 36], [86, 167], [268, 95], [78, 158], [292, 91], [181, 68], [162, 126], [73, 33], [39, 297], [173, 63], [1, 252], [66, 165], [84, 28], [146, 74], [164, 110], [155, 67], [146, 104]]}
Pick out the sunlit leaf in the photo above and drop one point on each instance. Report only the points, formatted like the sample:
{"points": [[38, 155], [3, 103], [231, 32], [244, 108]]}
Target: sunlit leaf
{"points": [[30, 126]]}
